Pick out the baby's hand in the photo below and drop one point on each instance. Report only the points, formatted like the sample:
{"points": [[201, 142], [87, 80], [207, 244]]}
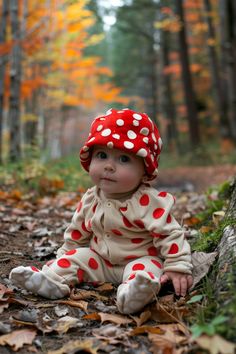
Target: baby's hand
{"points": [[181, 281]]}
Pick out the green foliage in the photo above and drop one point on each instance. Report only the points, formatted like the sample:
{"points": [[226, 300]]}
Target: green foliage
{"points": [[209, 328], [215, 314], [208, 241], [215, 309], [31, 174], [204, 155]]}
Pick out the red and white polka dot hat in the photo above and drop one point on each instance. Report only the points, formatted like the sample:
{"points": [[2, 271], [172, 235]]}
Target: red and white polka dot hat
{"points": [[129, 131]]}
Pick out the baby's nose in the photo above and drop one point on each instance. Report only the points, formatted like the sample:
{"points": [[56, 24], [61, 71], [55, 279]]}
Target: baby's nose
{"points": [[109, 166]]}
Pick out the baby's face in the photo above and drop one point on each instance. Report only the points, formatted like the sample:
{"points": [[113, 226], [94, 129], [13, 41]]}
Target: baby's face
{"points": [[115, 171]]}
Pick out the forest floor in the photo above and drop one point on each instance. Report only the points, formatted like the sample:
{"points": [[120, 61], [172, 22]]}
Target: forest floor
{"points": [[88, 320]]}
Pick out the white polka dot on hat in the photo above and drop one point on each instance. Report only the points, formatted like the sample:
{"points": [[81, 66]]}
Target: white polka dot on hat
{"points": [[126, 130]]}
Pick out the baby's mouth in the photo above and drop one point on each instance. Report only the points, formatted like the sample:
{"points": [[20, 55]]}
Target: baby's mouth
{"points": [[107, 179]]}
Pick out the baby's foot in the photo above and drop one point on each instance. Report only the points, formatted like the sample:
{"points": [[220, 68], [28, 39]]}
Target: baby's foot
{"points": [[35, 281], [137, 292]]}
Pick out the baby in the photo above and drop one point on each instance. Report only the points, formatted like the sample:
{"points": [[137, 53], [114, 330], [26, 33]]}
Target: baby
{"points": [[122, 230]]}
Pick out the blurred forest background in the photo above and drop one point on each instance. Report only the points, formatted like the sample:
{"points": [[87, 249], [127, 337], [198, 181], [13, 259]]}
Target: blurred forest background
{"points": [[62, 62]]}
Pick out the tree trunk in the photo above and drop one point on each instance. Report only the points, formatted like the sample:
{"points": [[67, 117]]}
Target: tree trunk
{"points": [[15, 81], [169, 110], [228, 61], [153, 82], [215, 74], [3, 60], [30, 126], [227, 250], [190, 99]]}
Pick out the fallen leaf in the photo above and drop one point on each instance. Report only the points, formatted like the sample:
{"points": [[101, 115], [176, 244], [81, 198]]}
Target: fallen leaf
{"points": [[17, 339], [83, 305], [65, 323], [105, 287], [3, 307], [146, 329], [118, 319], [216, 344], [100, 316], [4, 291], [161, 344], [28, 315], [144, 317], [86, 294], [217, 216], [168, 313], [201, 263], [111, 334], [92, 316], [61, 311], [76, 346], [191, 220], [205, 229]]}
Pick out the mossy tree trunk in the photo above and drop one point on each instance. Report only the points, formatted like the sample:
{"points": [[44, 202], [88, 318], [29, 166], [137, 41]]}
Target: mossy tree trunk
{"points": [[224, 278]]}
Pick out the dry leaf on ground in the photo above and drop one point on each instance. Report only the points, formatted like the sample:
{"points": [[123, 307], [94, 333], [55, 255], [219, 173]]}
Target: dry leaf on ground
{"points": [[216, 344], [17, 339], [76, 347], [201, 264]]}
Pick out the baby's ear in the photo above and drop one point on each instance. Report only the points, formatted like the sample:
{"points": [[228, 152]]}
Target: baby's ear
{"points": [[145, 178]]}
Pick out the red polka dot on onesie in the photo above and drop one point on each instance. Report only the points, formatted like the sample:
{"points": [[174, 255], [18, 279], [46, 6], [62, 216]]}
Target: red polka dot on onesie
{"points": [[173, 249], [156, 235], [94, 208], [69, 253], [152, 251], [117, 232], [158, 264], [139, 223], [169, 219], [80, 275], [127, 222], [50, 262], [144, 200], [76, 235], [138, 266], [79, 207], [123, 209], [95, 239], [84, 227], [158, 213], [131, 256], [34, 269], [151, 275], [108, 263], [162, 194], [137, 240], [93, 263], [132, 276], [63, 263]]}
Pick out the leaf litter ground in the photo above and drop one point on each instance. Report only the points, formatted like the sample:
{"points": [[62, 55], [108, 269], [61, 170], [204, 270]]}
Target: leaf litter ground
{"points": [[88, 320]]}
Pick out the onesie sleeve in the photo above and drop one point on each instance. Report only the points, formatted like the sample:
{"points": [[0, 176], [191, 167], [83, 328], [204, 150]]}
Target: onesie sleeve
{"points": [[77, 233], [168, 235]]}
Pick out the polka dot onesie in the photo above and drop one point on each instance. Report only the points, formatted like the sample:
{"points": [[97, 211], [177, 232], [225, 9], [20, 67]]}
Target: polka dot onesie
{"points": [[129, 241]]}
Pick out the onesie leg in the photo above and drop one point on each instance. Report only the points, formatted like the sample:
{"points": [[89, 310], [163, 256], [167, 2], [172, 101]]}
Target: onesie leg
{"points": [[56, 277], [35, 281], [141, 282]]}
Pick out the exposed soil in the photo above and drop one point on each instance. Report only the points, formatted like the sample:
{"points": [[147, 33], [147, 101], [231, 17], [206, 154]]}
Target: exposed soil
{"points": [[195, 178]]}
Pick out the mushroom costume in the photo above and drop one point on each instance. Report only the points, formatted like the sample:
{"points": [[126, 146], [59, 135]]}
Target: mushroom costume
{"points": [[128, 242], [125, 130]]}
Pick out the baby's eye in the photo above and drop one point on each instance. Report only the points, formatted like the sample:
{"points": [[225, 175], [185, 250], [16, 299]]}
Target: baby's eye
{"points": [[101, 155], [124, 158]]}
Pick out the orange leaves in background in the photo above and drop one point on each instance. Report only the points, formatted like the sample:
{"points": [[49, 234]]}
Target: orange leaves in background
{"points": [[54, 36]]}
